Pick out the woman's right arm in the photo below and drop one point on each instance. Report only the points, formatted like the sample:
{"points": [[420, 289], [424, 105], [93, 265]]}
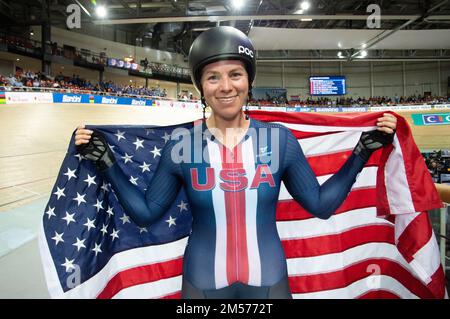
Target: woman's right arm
{"points": [[146, 208]]}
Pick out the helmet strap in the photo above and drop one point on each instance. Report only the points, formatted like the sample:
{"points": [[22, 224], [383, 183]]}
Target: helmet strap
{"points": [[247, 117], [204, 106]]}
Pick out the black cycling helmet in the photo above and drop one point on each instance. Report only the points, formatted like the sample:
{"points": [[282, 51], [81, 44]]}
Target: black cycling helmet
{"points": [[221, 43]]}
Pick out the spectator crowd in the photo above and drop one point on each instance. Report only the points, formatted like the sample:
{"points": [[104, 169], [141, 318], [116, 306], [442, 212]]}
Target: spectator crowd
{"points": [[28, 80]]}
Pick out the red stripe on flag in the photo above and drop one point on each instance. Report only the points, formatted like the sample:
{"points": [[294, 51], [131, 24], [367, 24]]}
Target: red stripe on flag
{"points": [[332, 162], [302, 134], [175, 295], [141, 275], [414, 236], [358, 198], [436, 285], [337, 243], [379, 294], [363, 269], [316, 119]]}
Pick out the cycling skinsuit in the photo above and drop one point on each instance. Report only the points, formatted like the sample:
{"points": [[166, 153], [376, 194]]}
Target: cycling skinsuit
{"points": [[234, 249]]}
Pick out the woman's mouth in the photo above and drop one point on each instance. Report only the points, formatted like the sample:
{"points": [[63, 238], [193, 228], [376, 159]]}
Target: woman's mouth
{"points": [[227, 99]]}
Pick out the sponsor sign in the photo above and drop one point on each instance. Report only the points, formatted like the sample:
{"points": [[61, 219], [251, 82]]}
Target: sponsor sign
{"points": [[431, 119], [28, 97]]}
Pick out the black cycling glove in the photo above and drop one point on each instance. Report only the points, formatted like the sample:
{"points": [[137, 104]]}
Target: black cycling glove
{"points": [[98, 151], [371, 141]]}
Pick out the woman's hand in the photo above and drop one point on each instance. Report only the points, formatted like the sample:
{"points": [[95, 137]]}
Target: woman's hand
{"points": [[387, 123]]}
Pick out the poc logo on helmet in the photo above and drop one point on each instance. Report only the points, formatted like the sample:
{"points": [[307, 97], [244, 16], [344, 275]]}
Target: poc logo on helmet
{"points": [[242, 49]]}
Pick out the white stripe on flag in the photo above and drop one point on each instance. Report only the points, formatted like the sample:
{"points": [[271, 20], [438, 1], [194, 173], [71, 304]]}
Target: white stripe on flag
{"points": [[367, 178], [324, 129], [332, 143], [361, 287], [336, 224], [427, 260], [151, 290], [397, 187], [339, 261]]}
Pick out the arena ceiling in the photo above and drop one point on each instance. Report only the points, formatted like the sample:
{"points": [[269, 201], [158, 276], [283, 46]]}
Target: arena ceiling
{"points": [[173, 24]]}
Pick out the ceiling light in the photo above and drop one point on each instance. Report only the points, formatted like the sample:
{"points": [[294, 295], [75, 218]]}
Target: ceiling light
{"points": [[237, 4], [101, 11], [306, 19], [305, 5], [363, 54]]}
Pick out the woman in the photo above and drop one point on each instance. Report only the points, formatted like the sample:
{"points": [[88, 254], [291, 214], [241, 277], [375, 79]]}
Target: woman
{"points": [[234, 250]]}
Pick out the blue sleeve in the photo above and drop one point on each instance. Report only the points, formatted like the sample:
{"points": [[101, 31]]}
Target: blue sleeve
{"points": [[320, 200], [162, 191]]}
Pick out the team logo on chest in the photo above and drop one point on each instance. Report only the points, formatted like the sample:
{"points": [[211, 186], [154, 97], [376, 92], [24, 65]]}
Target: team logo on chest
{"points": [[232, 180]]}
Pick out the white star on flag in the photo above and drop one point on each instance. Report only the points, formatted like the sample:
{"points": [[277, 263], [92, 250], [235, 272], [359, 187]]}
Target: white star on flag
{"points": [[89, 224], [182, 206], [104, 229], [125, 219], [69, 218], [105, 186], [119, 135], [70, 173], [166, 137], [127, 158], [110, 211], [59, 192], [142, 230], [58, 238], [150, 131], [79, 244], [171, 221], [68, 264], [79, 157], [156, 151], [80, 198], [114, 234], [133, 180], [50, 212], [90, 180], [138, 143], [98, 205], [97, 249], [112, 147], [145, 167]]}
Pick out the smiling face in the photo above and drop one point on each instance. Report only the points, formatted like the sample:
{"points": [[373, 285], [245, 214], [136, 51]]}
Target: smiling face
{"points": [[225, 87]]}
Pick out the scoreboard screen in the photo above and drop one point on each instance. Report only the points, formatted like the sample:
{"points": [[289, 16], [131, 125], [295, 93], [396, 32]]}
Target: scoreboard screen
{"points": [[327, 85]]}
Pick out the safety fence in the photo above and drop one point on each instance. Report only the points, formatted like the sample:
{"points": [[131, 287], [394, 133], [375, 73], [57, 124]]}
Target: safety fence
{"points": [[58, 95]]}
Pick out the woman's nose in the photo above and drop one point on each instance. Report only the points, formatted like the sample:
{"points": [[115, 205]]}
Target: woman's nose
{"points": [[225, 84]]}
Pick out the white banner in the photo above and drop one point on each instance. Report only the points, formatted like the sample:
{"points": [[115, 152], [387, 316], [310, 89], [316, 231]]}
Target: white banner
{"points": [[441, 106], [401, 108], [28, 97], [178, 104]]}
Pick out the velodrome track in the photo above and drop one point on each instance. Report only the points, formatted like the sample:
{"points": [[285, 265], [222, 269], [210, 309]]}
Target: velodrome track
{"points": [[34, 139]]}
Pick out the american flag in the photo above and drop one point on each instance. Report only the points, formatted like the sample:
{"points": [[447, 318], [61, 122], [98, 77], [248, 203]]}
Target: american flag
{"points": [[378, 244]]}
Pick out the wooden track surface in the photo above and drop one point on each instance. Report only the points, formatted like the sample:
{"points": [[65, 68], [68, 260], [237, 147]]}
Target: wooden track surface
{"points": [[34, 139]]}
